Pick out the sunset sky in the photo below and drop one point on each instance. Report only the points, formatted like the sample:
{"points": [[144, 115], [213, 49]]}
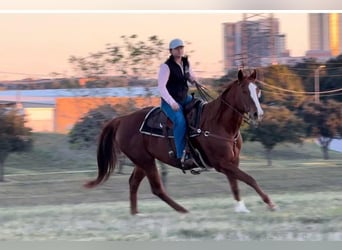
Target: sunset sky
{"points": [[38, 44], [38, 36]]}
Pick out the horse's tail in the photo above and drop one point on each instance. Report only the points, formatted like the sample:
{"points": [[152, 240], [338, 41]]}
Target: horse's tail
{"points": [[106, 153]]}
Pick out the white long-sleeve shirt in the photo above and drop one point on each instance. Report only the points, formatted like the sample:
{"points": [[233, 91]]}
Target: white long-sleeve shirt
{"points": [[163, 77]]}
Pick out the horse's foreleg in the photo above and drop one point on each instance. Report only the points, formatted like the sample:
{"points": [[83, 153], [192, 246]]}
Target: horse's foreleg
{"points": [[157, 189], [249, 180], [135, 179], [240, 205]]}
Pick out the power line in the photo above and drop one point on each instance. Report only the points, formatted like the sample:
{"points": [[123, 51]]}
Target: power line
{"points": [[304, 69], [303, 74], [20, 73], [299, 92], [300, 72]]}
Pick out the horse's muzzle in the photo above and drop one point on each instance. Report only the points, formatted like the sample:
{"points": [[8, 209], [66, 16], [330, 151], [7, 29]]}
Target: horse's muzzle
{"points": [[255, 118]]}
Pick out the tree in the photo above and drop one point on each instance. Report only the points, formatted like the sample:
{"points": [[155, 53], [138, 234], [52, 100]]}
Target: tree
{"points": [[324, 120], [93, 65], [331, 79], [134, 58], [279, 125], [281, 86], [142, 57], [85, 132], [305, 70], [14, 136], [330, 76]]}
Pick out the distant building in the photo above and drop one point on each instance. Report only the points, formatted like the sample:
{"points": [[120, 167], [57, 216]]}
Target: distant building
{"points": [[325, 35], [283, 60], [57, 110], [40, 117], [320, 55], [70, 109], [253, 43]]}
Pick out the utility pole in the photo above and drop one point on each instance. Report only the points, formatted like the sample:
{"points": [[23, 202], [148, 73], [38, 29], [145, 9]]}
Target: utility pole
{"points": [[317, 83]]}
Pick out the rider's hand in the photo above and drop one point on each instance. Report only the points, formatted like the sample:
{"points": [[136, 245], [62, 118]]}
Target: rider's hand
{"points": [[192, 80], [175, 106]]}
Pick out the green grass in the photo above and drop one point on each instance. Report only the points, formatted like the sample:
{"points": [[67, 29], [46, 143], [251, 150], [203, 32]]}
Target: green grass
{"points": [[51, 153], [43, 198], [308, 151], [300, 217]]}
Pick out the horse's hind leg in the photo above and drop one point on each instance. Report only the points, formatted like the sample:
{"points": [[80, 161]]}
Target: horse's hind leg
{"points": [[157, 189], [240, 205], [249, 180], [135, 179]]}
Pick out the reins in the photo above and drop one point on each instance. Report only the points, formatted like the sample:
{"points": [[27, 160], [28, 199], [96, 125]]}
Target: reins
{"points": [[203, 92]]}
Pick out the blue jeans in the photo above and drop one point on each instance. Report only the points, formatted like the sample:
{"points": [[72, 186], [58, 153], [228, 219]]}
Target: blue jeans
{"points": [[179, 123]]}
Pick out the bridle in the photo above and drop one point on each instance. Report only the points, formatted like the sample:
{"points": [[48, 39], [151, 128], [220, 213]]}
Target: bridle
{"points": [[203, 92]]}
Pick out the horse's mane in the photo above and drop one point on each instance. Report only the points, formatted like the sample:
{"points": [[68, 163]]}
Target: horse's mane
{"points": [[222, 96], [227, 87]]}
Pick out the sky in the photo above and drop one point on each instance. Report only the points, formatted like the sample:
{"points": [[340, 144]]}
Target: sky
{"points": [[172, 4], [35, 45]]}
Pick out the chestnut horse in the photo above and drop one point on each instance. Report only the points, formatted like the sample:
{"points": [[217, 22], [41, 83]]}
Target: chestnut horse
{"points": [[219, 142]]}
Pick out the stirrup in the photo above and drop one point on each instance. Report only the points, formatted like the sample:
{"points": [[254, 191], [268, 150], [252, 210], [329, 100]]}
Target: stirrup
{"points": [[171, 154], [188, 164], [195, 172]]}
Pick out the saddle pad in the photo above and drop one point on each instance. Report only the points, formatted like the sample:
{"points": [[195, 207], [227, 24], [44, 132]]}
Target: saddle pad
{"points": [[154, 124]]}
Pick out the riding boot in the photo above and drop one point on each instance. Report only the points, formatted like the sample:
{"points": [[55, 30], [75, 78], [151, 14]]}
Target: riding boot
{"points": [[187, 161], [188, 164], [180, 165]]}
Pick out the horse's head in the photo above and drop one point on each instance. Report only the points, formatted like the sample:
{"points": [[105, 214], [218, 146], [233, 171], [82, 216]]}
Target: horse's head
{"points": [[242, 96], [249, 96]]}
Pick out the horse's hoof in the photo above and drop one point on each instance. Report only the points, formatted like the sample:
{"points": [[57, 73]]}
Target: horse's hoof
{"points": [[240, 207], [273, 207], [140, 215], [183, 211]]}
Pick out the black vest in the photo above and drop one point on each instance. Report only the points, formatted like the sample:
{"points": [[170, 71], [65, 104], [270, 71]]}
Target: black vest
{"points": [[177, 84]]}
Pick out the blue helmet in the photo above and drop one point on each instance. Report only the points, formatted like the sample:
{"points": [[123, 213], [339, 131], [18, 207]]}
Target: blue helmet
{"points": [[176, 43]]}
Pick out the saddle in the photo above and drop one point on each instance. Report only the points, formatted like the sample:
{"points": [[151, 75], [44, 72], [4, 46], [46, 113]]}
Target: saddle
{"points": [[156, 123]]}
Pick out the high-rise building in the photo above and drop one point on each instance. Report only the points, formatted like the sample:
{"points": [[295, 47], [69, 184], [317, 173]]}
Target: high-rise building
{"points": [[325, 34], [248, 43]]}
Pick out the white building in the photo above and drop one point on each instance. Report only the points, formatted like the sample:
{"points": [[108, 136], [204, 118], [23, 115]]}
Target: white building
{"points": [[325, 34]]}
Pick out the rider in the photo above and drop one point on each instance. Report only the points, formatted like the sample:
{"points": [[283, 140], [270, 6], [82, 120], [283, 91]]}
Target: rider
{"points": [[173, 79]]}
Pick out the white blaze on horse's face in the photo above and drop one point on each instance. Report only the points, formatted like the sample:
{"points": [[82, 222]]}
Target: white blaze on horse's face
{"points": [[255, 94]]}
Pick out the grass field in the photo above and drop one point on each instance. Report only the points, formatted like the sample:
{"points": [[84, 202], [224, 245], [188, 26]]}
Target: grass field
{"points": [[301, 217], [43, 198]]}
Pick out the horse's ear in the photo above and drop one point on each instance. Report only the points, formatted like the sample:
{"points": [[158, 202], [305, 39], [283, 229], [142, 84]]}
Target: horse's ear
{"points": [[253, 75], [240, 75]]}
